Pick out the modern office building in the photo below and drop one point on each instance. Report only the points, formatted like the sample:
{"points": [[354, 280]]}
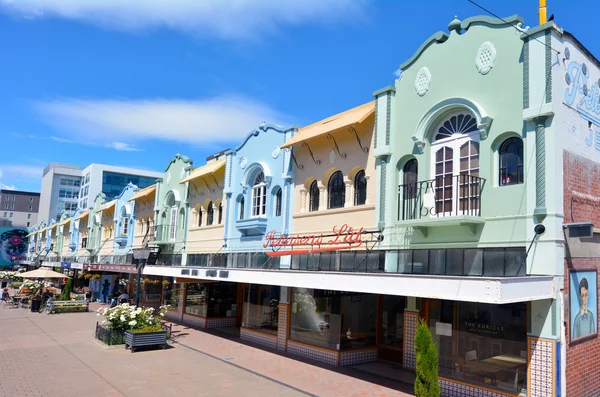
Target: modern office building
{"points": [[18, 209], [67, 187]]}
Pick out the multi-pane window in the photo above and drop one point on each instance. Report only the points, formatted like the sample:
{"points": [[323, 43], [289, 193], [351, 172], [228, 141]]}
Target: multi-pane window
{"points": [[360, 188], [511, 162], [314, 196], [410, 178], [259, 196], [210, 214], [125, 226], [278, 202], [336, 190]]}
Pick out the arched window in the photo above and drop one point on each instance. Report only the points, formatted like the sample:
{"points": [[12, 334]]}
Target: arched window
{"points": [[210, 214], [360, 188], [259, 196], [278, 202], [125, 226], [511, 162], [220, 213], [336, 190], [314, 196], [456, 125], [410, 178], [200, 215], [242, 208]]}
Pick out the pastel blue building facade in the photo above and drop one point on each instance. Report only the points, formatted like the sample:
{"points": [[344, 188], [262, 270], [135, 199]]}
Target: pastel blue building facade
{"points": [[259, 180], [125, 221]]}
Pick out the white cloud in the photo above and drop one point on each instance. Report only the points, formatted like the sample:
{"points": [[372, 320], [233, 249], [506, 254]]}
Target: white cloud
{"points": [[218, 120], [122, 147], [61, 140], [230, 19], [19, 174]]}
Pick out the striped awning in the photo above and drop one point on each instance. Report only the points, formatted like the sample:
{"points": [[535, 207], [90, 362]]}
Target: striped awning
{"points": [[84, 214], [207, 169], [145, 192]]}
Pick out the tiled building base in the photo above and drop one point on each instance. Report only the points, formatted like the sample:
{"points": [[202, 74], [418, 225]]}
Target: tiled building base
{"points": [[313, 353], [358, 357], [411, 320], [541, 382], [282, 326], [259, 338], [456, 389], [199, 322], [220, 322]]}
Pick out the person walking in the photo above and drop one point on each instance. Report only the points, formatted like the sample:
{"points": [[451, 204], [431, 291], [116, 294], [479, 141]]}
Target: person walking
{"points": [[105, 289]]}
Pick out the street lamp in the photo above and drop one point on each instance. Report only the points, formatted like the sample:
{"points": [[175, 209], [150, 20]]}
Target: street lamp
{"points": [[141, 254]]}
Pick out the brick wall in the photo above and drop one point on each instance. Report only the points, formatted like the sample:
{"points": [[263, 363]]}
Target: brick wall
{"points": [[582, 204]]}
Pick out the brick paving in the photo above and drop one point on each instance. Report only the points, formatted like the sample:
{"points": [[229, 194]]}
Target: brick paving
{"points": [[56, 355]]}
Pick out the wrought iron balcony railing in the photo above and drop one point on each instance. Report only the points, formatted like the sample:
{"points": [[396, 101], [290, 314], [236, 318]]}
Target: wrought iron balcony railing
{"points": [[444, 196]]}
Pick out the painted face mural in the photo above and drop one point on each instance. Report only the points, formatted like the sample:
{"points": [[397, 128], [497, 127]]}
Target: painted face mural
{"points": [[13, 246]]}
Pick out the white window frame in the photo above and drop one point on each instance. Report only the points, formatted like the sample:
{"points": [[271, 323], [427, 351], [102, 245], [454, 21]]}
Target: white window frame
{"points": [[173, 224], [259, 198]]}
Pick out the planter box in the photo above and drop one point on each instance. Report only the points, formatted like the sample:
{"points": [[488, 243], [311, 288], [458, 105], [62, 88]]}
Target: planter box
{"points": [[138, 339]]}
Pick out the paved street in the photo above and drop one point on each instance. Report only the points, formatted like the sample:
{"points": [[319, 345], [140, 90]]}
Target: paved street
{"points": [[55, 355]]}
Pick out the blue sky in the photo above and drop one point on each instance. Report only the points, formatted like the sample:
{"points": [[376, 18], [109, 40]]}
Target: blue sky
{"points": [[133, 83]]}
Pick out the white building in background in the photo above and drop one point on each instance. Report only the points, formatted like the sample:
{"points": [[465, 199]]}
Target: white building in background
{"points": [[66, 187]]}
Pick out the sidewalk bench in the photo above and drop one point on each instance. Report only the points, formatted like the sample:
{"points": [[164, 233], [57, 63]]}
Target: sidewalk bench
{"points": [[60, 306]]}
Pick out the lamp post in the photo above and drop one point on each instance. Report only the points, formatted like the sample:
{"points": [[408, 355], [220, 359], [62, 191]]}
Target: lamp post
{"points": [[141, 254]]}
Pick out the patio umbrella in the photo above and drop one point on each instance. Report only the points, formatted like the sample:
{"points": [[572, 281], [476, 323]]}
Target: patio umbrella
{"points": [[43, 273]]}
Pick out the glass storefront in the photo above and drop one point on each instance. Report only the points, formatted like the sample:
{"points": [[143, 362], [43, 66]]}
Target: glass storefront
{"points": [[261, 308], [481, 343], [211, 299], [333, 320]]}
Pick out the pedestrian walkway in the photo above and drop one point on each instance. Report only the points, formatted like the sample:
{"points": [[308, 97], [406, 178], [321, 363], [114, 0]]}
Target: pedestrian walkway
{"points": [[55, 355]]}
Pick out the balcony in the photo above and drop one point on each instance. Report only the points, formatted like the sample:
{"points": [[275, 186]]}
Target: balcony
{"points": [[448, 200], [252, 226], [121, 240]]}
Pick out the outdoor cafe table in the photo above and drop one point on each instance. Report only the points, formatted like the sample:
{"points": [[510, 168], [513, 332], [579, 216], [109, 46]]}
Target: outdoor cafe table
{"points": [[497, 364]]}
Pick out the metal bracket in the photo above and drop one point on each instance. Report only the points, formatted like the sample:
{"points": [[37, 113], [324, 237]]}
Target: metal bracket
{"points": [[342, 155], [364, 149], [317, 162], [300, 166], [207, 185], [215, 179]]}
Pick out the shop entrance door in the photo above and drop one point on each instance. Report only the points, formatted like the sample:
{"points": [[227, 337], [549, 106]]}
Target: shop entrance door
{"points": [[391, 326]]}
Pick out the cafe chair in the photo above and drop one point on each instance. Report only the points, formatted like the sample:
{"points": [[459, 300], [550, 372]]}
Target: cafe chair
{"points": [[510, 386], [471, 355]]}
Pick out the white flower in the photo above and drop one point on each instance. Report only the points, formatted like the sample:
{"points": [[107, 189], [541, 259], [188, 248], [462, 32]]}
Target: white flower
{"points": [[123, 318], [132, 323], [162, 314]]}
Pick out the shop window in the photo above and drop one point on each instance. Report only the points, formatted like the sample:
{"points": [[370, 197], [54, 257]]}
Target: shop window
{"points": [[278, 202], [220, 213], [359, 321], [261, 308], [196, 299], [360, 188], [210, 214], [259, 196], [315, 318], [336, 190], [314, 196], [222, 300], [511, 162]]}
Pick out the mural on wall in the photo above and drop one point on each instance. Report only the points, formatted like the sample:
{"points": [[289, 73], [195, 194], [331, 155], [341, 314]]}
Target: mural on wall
{"points": [[583, 303], [581, 96], [13, 246]]}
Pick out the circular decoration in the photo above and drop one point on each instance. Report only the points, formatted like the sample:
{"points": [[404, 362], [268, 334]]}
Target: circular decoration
{"points": [[568, 78], [422, 81], [486, 55], [567, 53], [243, 162], [276, 152], [584, 69], [331, 156]]}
